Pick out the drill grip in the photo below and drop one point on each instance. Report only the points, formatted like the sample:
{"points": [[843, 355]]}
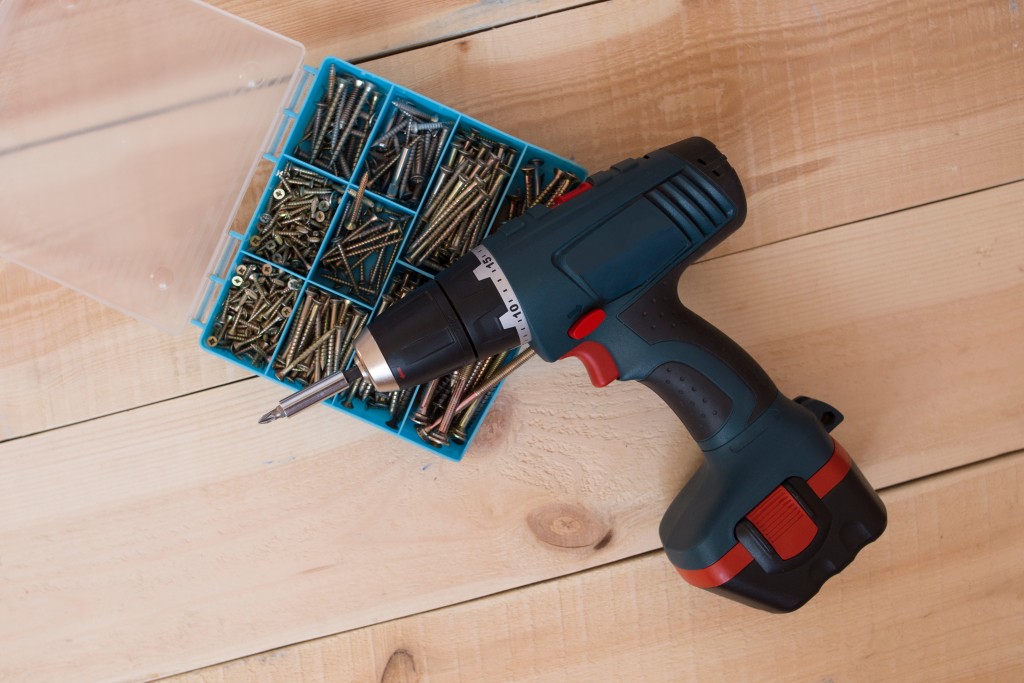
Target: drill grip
{"points": [[715, 388]]}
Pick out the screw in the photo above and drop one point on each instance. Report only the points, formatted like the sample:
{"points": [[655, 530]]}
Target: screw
{"points": [[315, 346], [397, 405], [462, 202], [358, 201], [422, 414], [252, 317], [529, 180], [558, 186], [336, 134]]}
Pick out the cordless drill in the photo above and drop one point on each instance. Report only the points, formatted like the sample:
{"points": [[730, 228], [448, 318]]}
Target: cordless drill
{"points": [[777, 506]]}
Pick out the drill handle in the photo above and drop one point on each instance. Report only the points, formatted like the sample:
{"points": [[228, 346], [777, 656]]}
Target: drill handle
{"points": [[715, 388]]}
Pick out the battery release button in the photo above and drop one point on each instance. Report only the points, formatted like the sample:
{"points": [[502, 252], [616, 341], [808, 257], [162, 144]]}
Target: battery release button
{"points": [[783, 523]]}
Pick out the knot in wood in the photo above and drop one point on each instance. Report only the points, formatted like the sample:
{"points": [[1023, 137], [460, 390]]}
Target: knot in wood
{"points": [[566, 525]]}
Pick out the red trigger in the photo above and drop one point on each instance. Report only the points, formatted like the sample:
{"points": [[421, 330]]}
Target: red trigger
{"points": [[599, 363]]}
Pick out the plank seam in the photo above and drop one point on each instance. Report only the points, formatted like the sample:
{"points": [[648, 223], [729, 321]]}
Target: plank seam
{"points": [[469, 33], [885, 214], [650, 553], [712, 258], [124, 410]]}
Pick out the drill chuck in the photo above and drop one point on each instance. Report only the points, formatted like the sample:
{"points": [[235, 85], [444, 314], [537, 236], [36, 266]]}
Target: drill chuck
{"points": [[418, 338], [373, 364]]}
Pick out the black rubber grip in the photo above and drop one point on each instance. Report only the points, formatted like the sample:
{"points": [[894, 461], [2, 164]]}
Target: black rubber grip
{"points": [[696, 400], [699, 398], [479, 307]]}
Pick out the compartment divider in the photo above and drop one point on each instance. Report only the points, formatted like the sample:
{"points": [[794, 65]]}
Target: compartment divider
{"points": [[440, 162], [392, 204], [254, 257], [335, 293], [339, 211], [416, 269], [314, 169]]}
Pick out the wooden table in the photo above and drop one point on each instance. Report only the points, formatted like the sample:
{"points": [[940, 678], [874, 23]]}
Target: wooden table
{"points": [[148, 528]]}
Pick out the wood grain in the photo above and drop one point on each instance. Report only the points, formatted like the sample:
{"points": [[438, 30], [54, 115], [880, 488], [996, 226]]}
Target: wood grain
{"points": [[832, 111], [356, 31], [242, 539], [938, 598]]}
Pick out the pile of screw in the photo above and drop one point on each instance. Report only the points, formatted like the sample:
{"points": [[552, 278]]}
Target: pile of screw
{"points": [[255, 310], [364, 248], [448, 406], [403, 156], [340, 125], [395, 402], [462, 201], [538, 189], [321, 340], [290, 231]]}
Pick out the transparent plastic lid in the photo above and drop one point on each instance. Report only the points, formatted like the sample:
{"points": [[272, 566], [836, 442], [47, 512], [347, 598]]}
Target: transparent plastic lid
{"points": [[129, 130]]}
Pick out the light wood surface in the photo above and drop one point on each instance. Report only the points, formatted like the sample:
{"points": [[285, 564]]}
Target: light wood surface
{"points": [[938, 598], [319, 525], [357, 31], [865, 109], [831, 112], [149, 528]]}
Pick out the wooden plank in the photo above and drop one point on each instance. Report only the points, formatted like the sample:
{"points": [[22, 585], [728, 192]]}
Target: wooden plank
{"points": [[832, 111], [243, 539], [358, 30], [938, 598]]}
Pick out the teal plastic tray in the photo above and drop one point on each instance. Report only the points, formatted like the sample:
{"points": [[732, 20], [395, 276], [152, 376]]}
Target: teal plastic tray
{"points": [[289, 142]]}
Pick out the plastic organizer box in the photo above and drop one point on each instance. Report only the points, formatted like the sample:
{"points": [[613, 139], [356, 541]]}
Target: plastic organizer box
{"points": [[151, 148], [398, 265]]}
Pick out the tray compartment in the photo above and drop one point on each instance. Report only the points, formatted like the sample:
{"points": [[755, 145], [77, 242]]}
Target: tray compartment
{"points": [[320, 337], [254, 308], [335, 129], [295, 218], [447, 412], [358, 259], [541, 178], [464, 197], [407, 149]]}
